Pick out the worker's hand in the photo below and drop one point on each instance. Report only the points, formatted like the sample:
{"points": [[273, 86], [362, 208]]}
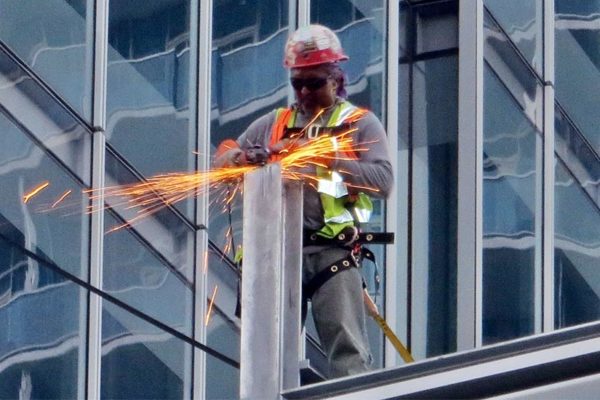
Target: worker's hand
{"points": [[370, 305], [230, 158]]}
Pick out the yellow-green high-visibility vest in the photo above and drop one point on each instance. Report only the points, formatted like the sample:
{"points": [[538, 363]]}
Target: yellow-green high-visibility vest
{"points": [[340, 210]]}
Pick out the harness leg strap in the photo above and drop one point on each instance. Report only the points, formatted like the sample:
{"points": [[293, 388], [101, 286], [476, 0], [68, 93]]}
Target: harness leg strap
{"points": [[326, 274]]}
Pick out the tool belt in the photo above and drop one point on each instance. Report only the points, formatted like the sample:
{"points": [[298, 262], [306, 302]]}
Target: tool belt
{"points": [[352, 240], [348, 237]]}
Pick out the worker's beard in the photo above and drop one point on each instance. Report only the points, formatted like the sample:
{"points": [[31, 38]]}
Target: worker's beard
{"points": [[310, 105]]}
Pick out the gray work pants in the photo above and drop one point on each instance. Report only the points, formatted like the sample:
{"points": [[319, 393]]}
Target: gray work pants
{"points": [[339, 314]]}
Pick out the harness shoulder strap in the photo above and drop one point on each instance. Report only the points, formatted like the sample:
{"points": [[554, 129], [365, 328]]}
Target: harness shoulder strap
{"points": [[284, 117]]}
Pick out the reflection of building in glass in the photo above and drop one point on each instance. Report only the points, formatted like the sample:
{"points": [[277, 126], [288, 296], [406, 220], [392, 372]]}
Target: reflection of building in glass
{"points": [[489, 105]]}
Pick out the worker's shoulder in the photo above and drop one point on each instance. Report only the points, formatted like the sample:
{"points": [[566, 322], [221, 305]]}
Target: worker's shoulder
{"points": [[368, 119], [264, 120]]}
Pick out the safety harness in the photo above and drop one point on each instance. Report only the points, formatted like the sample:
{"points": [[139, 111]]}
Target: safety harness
{"points": [[342, 212], [354, 243]]}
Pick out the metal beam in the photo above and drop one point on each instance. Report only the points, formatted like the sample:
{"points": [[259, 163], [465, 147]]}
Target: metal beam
{"points": [[549, 159], [270, 285], [201, 37], [470, 170], [396, 262]]}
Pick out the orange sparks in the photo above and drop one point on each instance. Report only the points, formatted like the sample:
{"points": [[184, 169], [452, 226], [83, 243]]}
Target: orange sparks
{"points": [[35, 191], [163, 190], [210, 306], [61, 198], [167, 189]]}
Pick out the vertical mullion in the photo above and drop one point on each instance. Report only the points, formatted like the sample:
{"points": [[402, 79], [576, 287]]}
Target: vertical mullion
{"points": [[97, 218], [297, 16], [100, 64], [470, 173], [392, 300], [203, 163], [194, 140], [548, 224], [303, 13]]}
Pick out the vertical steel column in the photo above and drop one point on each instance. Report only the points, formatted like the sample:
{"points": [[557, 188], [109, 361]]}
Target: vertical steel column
{"points": [[395, 302], [549, 159], [303, 13], [291, 285], [202, 121], [270, 285], [470, 173], [94, 344]]}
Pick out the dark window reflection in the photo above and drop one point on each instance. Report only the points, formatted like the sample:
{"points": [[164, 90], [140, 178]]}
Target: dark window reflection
{"points": [[140, 361], [510, 200], [434, 197], [42, 335], [577, 248]]}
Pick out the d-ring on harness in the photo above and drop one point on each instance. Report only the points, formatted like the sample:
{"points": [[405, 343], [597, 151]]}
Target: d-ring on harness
{"points": [[351, 240]]}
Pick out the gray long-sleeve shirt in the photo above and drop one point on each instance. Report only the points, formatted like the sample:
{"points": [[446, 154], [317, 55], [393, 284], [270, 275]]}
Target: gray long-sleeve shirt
{"points": [[373, 168]]}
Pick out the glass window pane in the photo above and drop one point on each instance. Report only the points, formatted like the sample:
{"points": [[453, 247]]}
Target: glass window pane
{"points": [[149, 81], [577, 226], [222, 380], [434, 199], [577, 56], [137, 275], [37, 112], [55, 39], [511, 194], [523, 21], [42, 315], [44, 204], [247, 80], [140, 361], [223, 326], [164, 230], [361, 27], [436, 28]]}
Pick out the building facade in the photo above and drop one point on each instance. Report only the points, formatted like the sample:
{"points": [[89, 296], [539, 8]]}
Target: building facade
{"points": [[490, 111]]}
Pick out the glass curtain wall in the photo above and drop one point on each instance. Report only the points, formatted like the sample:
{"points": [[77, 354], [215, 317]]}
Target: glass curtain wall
{"points": [[55, 39], [149, 119], [512, 190], [149, 266], [577, 239], [427, 154], [44, 245], [523, 22]]}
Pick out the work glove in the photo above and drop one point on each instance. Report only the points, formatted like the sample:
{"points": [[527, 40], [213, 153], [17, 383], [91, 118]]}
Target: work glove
{"points": [[229, 155]]}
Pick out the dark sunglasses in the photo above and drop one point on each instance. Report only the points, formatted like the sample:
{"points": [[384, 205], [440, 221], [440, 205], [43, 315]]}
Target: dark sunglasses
{"points": [[311, 84]]}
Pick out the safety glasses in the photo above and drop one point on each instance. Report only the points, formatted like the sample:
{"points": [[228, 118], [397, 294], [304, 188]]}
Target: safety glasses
{"points": [[311, 84]]}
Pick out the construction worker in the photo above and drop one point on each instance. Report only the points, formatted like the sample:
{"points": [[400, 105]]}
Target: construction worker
{"points": [[331, 278]]}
